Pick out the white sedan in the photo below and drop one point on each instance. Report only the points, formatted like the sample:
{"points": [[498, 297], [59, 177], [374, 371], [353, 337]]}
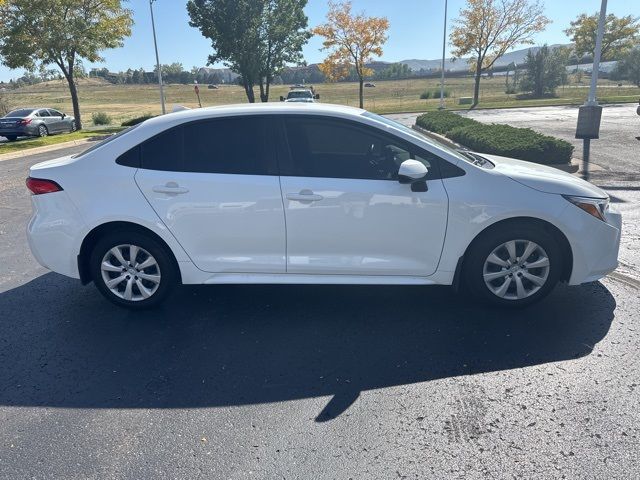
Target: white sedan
{"points": [[313, 194]]}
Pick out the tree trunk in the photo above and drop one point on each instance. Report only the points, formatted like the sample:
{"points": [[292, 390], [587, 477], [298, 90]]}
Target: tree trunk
{"points": [[476, 87], [74, 100], [248, 89], [361, 81], [264, 97]]}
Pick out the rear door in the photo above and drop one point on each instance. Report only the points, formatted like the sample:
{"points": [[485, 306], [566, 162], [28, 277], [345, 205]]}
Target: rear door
{"points": [[215, 186]]}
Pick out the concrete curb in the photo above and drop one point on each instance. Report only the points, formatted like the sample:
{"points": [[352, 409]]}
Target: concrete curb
{"points": [[572, 167], [48, 148]]}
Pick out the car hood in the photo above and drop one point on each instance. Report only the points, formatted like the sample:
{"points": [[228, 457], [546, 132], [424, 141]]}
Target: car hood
{"points": [[544, 178]]}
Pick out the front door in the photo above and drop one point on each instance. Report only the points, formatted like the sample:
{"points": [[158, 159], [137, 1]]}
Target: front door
{"points": [[346, 213], [214, 184]]}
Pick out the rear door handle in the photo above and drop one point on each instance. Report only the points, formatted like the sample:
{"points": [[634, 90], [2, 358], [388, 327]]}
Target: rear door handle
{"points": [[304, 196], [170, 188]]}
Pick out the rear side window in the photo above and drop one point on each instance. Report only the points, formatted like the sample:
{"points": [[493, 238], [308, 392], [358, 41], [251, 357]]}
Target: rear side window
{"points": [[234, 145]]}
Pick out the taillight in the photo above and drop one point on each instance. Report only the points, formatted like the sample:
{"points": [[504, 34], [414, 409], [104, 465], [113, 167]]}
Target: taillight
{"points": [[38, 186], [25, 121]]}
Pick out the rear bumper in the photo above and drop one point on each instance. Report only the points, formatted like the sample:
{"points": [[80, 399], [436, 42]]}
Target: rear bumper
{"points": [[595, 245], [18, 132], [53, 232]]}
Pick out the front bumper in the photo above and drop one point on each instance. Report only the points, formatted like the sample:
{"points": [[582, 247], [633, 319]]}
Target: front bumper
{"points": [[595, 244]]}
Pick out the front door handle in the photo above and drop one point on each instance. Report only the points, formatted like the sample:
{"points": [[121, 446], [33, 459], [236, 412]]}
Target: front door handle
{"points": [[304, 196], [170, 188]]}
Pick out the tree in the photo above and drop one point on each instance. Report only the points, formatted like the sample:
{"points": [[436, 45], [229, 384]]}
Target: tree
{"points": [[352, 41], [629, 67], [254, 38], [61, 32], [545, 70], [395, 71], [487, 29], [620, 35]]}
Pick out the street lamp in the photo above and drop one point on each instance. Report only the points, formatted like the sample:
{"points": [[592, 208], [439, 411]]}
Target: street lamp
{"points": [[444, 45], [158, 66], [590, 113]]}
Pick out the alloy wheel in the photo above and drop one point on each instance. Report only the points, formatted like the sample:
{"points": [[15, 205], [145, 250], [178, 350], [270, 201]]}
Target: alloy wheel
{"points": [[130, 272], [42, 131], [516, 269]]}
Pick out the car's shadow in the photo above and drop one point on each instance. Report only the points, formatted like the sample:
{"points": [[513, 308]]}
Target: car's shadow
{"points": [[62, 345]]}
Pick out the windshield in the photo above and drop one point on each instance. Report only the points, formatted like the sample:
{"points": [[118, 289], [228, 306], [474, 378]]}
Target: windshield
{"points": [[300, 94], [417, 134], [105, 141], [23, 112]]}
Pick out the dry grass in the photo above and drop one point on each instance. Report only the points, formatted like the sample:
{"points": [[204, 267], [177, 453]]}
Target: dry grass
{"points": [[123, 102]]}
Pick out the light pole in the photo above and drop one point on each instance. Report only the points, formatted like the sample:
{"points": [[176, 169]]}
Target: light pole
{"points": [[444, 45], [158, 66], [590, 113]]}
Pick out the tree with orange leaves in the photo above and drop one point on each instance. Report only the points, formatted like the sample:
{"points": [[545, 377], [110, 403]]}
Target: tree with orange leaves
{"points": [[487, 29], [352, 41]]}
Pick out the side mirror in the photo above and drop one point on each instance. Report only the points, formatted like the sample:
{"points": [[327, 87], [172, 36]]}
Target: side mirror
{"points": [[64, 115], [281, 98], [414, 173], [317, 96]]}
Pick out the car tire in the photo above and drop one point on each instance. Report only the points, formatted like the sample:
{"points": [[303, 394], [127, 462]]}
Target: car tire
{"points": [[513, 265], [43, 131], [132, 284], [12, 138], [72, 128]]}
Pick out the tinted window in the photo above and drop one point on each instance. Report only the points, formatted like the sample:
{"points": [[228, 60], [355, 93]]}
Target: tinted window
{"points": [[55, 113], [43, 113], [237, 145], [334, 148], [23, 112]]}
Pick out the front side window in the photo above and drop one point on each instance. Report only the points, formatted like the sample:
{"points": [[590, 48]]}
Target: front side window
{"points": [[43, 113], [335, 148], [233, 145]]}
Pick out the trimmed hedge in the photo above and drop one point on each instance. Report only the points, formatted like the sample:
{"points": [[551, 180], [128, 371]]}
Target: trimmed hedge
{"points": [[134, 121], [443, 122], [497, 139]]}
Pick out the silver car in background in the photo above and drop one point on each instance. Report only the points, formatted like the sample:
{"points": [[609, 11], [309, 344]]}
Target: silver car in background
{"points": [[35, 122]]}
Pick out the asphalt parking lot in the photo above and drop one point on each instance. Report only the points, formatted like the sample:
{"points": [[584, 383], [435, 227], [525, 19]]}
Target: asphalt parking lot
{"points": [[312, 382]]}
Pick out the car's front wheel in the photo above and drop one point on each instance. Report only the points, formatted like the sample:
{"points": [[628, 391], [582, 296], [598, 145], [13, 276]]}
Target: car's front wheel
{"points": [[72, 127], [513, 265], [133, 270]]}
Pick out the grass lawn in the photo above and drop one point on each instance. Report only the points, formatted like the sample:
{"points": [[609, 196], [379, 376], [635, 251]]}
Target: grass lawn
{"points": [[25, 144], [123, 102]]}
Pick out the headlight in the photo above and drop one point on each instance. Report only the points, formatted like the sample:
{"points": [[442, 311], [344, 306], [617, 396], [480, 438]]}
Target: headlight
{"points": [[596, 207]]}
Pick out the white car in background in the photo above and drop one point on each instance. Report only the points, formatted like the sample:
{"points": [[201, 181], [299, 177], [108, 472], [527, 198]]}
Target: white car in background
{"points": [[311, 194]]}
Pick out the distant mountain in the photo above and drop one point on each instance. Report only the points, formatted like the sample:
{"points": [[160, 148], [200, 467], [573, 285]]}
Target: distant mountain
{"points": [[461, 64]]}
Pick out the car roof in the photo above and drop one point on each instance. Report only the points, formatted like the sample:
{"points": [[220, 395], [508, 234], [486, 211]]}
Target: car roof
{"points": [[183, 116]]}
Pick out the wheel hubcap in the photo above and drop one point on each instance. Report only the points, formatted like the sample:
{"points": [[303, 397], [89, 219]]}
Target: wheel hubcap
{"points": [[130, 272], [516, 269], [43, 132]]}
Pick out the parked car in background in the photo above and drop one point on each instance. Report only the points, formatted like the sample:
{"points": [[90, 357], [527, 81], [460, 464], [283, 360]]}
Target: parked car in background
{"points": [[322, 194], [302, 95], [370, 85], [638, 109], [35, 122]]}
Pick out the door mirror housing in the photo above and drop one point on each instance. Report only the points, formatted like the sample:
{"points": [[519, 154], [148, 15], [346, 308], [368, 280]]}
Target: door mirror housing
{"points": [[414, 173], [64, 115]]}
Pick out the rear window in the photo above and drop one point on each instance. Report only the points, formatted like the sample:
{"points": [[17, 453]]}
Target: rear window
{"points": [[104, 142], [231, 145], [23, 112]]}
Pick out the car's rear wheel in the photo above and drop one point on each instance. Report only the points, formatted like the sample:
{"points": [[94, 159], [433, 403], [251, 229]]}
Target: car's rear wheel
{"points": [[514, 265], [43, 131], [133, 270]]}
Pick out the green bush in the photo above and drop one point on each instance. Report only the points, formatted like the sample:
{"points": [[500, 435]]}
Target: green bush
{"points": [[443, 122], [427, 94], [101, 118], [508, 141], [134, 121]]}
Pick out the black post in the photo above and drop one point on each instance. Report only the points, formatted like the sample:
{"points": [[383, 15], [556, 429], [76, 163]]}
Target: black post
{"points": [[586, 151]]}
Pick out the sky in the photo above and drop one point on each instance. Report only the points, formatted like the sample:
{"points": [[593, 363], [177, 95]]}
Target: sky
{"points": [[415, 30]]}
